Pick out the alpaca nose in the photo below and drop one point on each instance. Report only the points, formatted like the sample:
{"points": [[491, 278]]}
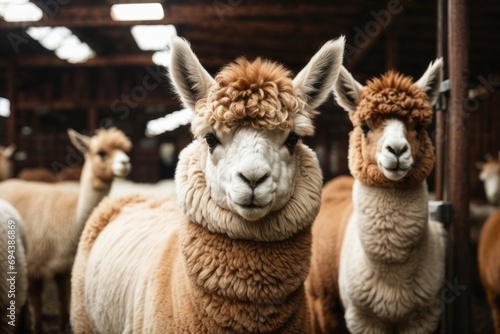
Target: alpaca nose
{"points": [[397, 150], [253, 180]]}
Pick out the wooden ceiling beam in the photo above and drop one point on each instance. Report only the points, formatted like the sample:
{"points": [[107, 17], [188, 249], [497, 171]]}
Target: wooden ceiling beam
{"points": [[168, 102], [33, 61], [53, 61], [197, 14]]}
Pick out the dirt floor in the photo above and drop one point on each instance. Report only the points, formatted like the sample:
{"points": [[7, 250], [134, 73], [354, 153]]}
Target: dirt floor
{"points": [[51, 309]]}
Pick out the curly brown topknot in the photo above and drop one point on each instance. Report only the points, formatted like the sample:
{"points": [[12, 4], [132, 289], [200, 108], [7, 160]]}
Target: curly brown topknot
{"points": [[111, 138], [393, 95], [259, 94]]}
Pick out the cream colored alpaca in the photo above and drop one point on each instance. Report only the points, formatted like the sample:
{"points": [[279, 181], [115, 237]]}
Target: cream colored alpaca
{"points": [[54, 218], [235, 258], [388, 265], [5, 161], [490, 175], [13, 272]]}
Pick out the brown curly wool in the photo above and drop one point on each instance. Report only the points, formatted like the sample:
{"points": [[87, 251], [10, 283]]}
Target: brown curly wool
{"points": [[259, 94], [393, 95]]}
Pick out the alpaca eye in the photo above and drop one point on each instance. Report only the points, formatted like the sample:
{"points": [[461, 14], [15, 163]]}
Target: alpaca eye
{"points": [[212, 141], [102, 153], [291, 141], [365, 128]]}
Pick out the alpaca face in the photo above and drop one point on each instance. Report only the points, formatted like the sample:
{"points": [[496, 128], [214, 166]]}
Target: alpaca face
{"points": [[389, 145], [246, 174], [105, 152], [251, 171], [490, 175], [489, 169], [109, 163]]}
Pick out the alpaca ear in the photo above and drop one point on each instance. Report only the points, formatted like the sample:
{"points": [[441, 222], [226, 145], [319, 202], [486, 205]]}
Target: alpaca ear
{"points": [[190, 80], [320, 74], [347, 91], [81, 142], [431, 80], [8, 151]]}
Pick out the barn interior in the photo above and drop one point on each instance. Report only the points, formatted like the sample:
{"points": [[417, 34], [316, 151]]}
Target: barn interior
{"points": [[113, 80]]}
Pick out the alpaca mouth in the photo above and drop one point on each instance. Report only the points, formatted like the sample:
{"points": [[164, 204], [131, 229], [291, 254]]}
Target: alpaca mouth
{"points": [[394, 172], [122, 171], [396, 169], [252, 205], [252, 211]]}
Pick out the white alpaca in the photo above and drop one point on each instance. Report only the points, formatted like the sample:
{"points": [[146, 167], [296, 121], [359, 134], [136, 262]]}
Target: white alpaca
{"points": [[236, 258], [54, 218], [391, 258], [5, 161], [13, 272], [490, 175]]}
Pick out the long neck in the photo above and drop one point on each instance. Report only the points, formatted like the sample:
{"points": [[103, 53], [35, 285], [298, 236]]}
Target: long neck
{"points": [[492, 188], [92, 191], [391, 222], [5, 169], [247, 286]]}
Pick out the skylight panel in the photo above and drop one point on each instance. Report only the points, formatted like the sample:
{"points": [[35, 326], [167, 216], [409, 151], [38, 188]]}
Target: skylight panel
{"points": [[137, 12], [153, 37]]}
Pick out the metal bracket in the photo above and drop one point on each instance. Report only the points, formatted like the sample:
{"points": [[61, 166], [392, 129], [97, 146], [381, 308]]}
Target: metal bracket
{"points": [[441, 102], [441, 211], [444, 86]]}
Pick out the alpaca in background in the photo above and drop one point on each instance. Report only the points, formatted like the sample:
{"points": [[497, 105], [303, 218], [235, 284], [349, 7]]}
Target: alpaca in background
{"points": [[489, 265], [54, 218], [490, 175], [41, 174]]}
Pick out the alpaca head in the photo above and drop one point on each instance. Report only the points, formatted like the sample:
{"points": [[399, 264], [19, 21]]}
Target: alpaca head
{"points": [[389, 145], [105, 153], [5, 161], [490, 175], [247, 127]]}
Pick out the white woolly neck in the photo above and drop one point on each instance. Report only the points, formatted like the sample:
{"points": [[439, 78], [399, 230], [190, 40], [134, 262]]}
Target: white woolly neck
{"points": [[391, 222], [197, 204], [492, 188], [89, 196]]}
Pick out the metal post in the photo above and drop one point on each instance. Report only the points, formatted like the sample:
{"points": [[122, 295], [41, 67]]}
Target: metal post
{"points": [[458, 48], [440, 136]]}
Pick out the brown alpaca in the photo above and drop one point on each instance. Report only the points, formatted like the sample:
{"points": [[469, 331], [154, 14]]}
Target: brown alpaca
{"points": [[489, 264], [54, 218], [37, 174], [378, 263], [235, 257], [44, 175]]}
